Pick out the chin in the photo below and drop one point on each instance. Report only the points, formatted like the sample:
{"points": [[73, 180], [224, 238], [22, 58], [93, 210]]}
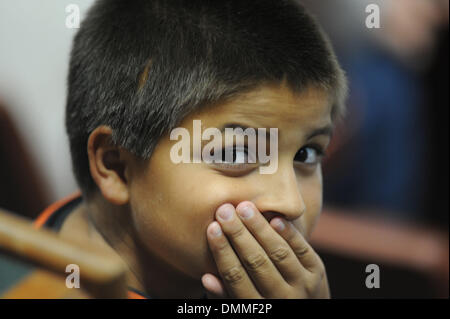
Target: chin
{"points": [[205, 264]]}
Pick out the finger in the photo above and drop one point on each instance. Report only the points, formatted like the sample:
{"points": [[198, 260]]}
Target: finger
{"points": [[214, 287], [237, 282], [278, 250], [304, 252], [262, 271]]}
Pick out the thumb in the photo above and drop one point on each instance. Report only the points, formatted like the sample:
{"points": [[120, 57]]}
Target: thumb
{"points": [[214, 287]]}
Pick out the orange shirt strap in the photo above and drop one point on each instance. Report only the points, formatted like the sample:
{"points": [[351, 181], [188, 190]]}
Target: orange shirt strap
{"points": [[134, 295], [48, 212]]}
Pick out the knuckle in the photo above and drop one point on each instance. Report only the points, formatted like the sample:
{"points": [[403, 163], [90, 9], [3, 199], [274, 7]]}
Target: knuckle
{"points": [[321, 269], [321, 265], [279, 254], [239, 231], [310, 288], [322, 274], [221, 246], [255, 262], [233, 275], [284, 292], [291, 236], [301, 251], [313, 286]]}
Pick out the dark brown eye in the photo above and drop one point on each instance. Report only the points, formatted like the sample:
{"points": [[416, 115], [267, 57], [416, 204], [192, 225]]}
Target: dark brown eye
{"points": [[309, 155], [239, 155]]}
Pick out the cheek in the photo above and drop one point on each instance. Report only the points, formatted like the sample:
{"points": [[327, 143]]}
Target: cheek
{"points": [[312, 197], [171, 215]]}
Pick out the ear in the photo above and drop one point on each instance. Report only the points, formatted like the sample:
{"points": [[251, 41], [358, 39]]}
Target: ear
{"points": [[109, 166]]}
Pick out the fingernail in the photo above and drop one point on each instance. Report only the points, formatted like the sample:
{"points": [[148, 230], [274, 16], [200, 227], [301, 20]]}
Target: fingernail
{"points": [[278, 224], [225, 212], [216, 231], [207, 280], [246, 212]]}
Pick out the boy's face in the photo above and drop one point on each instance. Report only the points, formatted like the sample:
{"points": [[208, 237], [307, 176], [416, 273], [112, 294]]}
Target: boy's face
{"points": [[173, 204]]}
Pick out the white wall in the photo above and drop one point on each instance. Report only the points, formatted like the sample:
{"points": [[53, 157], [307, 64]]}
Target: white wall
{"points": [[34, 56]]}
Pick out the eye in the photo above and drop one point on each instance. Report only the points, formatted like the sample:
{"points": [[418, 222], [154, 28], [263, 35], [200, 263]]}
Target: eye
{"points": [[310, 155], [241, 160], [238, 155]]}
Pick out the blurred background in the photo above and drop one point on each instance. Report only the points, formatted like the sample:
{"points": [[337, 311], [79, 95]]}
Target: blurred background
{"points": [[386, 174]]}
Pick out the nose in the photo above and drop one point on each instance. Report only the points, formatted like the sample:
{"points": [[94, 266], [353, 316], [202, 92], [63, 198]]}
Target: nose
{"points": [[281, 195]]}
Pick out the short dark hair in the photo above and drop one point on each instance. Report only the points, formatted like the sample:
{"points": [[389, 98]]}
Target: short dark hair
{"points": [[141, 66]]}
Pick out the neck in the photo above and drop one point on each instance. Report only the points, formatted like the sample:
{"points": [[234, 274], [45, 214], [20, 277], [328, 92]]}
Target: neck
{"points": [[146, 271]]}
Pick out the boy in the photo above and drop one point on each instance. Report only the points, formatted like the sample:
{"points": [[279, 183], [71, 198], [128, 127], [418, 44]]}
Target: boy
{"points": [[140, 69]]}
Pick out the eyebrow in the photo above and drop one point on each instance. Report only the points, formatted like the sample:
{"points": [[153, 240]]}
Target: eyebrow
{"points": [[326, 130], [235, 126]]}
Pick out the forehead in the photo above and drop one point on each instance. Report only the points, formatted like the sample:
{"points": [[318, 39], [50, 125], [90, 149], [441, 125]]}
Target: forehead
{"points": [[272, 106]]}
